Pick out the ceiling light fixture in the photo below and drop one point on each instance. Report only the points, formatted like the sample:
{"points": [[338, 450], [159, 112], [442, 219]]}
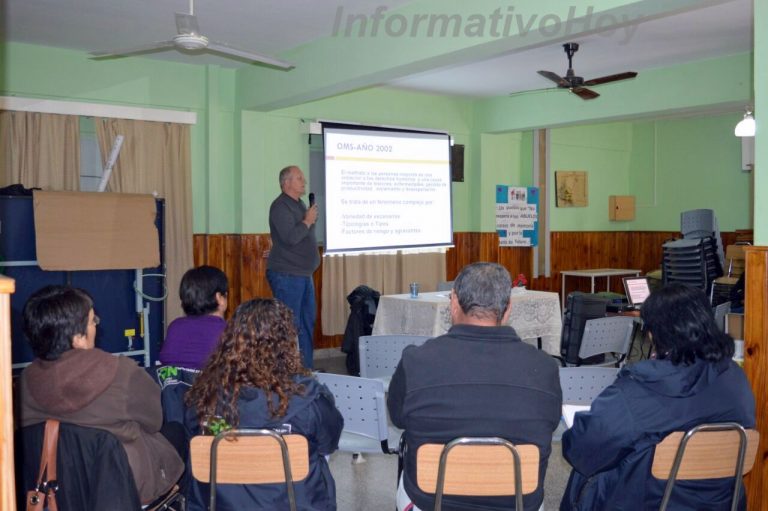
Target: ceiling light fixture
{"points": [[746, 126]]}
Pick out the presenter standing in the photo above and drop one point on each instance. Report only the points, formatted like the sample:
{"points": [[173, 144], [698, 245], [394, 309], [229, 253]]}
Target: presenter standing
{"points": [[294, 256]]}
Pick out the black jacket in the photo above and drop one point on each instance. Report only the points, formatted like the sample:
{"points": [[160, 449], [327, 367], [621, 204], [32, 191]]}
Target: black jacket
{"points": [[313, 415], [475, 381], [611, 447], [363, 302], [92, 468]]}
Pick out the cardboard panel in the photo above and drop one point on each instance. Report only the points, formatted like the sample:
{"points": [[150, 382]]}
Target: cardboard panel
{"points": [[95, 231]]}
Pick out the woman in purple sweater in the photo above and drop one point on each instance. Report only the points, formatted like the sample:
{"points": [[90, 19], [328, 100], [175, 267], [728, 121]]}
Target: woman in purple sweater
{"points": [[191, 340]]}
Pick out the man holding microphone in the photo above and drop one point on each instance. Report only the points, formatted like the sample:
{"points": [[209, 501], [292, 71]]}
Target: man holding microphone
{"points": [[294, 256]]}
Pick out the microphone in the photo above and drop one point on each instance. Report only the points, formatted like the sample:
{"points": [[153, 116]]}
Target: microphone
{"points": [[311, 199]]}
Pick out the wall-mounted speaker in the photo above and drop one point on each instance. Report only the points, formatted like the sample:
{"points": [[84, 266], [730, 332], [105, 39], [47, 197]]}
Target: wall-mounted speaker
{"points": [[457, 163]]}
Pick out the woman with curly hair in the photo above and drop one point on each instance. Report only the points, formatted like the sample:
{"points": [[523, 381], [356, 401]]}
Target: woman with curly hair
{"points": [[255, 379]]}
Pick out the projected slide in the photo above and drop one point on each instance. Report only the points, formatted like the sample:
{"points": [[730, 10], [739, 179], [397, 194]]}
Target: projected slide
{"points": [[386, 189]]}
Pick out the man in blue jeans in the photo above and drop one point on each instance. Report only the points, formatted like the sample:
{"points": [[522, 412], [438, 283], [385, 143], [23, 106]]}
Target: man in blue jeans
{"points": [[294, 256]]}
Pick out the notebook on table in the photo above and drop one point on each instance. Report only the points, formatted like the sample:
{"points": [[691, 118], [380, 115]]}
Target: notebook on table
{"points": [[637, 290]]}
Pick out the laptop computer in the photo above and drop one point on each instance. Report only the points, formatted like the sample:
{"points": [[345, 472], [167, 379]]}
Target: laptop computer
{"points": [[637, 290]]}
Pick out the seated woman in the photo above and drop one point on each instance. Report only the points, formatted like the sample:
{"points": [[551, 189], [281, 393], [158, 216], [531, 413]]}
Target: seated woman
{"points": [[191, 340], [72, 381], [691, 381], [255, 379]]}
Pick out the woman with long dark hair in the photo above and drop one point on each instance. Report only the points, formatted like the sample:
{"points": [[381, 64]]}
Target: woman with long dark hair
{"points": [[255, 379], [691, 380]]}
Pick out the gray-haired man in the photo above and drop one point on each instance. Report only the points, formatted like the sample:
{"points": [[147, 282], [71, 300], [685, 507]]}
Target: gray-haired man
{"points": [[479, 379]]}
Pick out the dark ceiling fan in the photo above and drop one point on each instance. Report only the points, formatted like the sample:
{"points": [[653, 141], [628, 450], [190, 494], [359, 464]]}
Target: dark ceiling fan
{"points": [[577, 84]]}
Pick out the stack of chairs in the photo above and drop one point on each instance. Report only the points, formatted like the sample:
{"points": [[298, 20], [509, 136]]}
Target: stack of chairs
{"points": [[691, 261], [702, 223], [697, 258]]}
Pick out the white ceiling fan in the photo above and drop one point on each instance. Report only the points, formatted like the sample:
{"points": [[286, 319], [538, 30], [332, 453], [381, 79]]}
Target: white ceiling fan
{"points": [[189, 38]]}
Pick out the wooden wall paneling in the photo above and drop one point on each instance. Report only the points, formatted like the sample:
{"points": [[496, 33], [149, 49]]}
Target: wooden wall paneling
{"points": [[243, 258], [254, 250], [756, 365]]}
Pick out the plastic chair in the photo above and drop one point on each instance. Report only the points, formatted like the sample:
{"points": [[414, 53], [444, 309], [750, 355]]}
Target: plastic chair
{"points": [[581, 385], [255, 456], [380, 354], [478, 466], [611, 335], [720, 313], [361, 403], [93, 470], [707, 451]]}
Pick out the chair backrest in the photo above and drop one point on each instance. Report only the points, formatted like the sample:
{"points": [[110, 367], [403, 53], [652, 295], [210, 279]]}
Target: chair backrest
{"points": [[250, 456], [361, 403], [445, 285], [380, 354], [707, 451], [92, 468], [607, 335], [720, 311], [478, 466], [581, 385]]}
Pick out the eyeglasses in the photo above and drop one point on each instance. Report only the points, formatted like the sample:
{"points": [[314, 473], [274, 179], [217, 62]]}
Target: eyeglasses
{"points": [[96, 320]]}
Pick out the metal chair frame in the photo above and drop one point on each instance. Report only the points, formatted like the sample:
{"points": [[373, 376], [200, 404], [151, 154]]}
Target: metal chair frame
{"points": [[214, 455], [480, 441], [738, 471]]}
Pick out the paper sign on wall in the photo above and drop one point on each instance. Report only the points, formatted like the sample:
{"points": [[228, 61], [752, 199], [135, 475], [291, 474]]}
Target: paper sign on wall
{"points": [[517, 216]]}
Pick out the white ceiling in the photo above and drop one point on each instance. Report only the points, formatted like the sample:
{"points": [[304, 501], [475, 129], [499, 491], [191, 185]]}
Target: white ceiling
{"points": [[271, 27]]}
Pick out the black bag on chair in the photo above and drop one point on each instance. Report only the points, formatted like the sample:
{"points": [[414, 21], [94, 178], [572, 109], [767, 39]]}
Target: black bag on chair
{"points": [[363, 302], [579, 308]]}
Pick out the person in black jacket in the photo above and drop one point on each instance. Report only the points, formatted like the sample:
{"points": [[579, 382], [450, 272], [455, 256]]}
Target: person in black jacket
{"points": [[479, 379], [691, 381], [255, 379]]}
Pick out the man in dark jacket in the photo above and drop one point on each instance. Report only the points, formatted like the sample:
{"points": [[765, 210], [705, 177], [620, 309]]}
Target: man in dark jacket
{"points": [[479, 379]]}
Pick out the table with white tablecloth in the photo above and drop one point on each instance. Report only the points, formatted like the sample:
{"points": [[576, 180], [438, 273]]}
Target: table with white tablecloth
{"points": [[534, 314]]}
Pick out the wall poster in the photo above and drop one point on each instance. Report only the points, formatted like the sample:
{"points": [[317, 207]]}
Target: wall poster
{"points": [[517, 216]]}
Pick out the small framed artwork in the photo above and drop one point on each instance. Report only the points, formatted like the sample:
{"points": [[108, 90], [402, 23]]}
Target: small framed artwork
{"points": [[571, 189]]}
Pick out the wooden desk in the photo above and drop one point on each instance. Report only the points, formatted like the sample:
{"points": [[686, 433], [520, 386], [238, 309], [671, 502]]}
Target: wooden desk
{"points": [[534, 314], [593, 274]]}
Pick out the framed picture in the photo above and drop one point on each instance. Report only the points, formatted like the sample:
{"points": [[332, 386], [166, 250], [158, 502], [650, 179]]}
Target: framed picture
{"points": [[571, 189]]}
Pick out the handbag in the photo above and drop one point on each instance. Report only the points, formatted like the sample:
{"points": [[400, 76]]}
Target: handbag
{"points": [[44, 495]]}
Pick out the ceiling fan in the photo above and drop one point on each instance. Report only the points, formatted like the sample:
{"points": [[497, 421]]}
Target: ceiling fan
{"points": [[188, 37], [576, 84]]}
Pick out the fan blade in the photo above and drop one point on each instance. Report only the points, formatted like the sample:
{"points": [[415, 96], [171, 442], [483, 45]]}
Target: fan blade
{"points": [[224, 49], [560, 81], [124, 52], [584, 93], [611, 78], [187, 23]]}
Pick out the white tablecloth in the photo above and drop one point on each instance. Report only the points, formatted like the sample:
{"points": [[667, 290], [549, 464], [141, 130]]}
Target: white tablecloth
{"points": [[534, 314]]}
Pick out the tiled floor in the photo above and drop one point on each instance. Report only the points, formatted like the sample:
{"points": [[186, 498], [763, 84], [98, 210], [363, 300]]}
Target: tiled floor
{"points": [[370, 485]]}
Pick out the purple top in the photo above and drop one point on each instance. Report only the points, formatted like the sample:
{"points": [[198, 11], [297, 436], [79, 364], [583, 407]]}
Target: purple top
{"points": [[191, 340]]}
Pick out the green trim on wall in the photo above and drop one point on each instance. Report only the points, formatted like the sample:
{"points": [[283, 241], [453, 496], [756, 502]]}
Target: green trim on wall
{"points": [[761, 116]]}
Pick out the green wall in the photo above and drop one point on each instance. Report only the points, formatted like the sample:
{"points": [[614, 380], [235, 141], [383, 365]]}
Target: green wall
{"points": [[51, 73], [275, 139], [669, 165]]}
